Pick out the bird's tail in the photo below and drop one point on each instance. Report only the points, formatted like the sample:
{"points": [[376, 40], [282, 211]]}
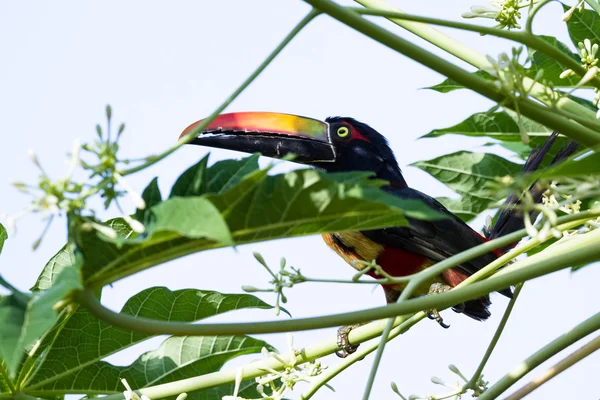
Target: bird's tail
{"points": [[510, 218]]}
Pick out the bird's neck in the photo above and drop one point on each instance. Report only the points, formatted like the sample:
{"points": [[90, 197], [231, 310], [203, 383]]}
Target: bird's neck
{"points": [[391, 174]]}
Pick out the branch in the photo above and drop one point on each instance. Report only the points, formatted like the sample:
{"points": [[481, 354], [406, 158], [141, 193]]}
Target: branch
{"points": [[556, 369], [522, 37], [482, 86], [578, 250], [475, 58], [580, 331]]}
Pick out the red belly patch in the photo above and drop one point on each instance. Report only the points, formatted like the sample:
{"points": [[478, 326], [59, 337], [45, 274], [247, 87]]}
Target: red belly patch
{"points": [[398, 262]]}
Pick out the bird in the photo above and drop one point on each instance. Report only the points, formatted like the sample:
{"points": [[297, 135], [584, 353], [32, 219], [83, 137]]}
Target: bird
{"points": [[343, 144]]}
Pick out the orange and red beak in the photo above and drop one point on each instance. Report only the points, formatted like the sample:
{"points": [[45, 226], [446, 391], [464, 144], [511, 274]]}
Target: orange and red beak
{"points": [[271, 134]]}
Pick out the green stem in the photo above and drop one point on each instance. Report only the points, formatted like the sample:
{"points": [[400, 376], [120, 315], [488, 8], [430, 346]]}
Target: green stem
{"points": [[473, 381], [578, 250], [532, 12], [594, 4], [473, 57], [522, 37], [530, 109], [194, 132], [580, 331]]}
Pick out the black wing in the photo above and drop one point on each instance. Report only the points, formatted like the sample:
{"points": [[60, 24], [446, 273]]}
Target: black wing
{"points": [[436, 240]]}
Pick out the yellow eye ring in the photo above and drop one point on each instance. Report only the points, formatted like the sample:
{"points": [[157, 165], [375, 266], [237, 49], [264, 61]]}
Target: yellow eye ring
{"points": [[343, 131]]}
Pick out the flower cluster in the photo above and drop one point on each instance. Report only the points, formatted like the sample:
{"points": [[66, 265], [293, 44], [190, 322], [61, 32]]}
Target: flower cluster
{"points": [[276, 384], [505, 12], [458, 389], [54, 198], [283, 279], [587, 53]]}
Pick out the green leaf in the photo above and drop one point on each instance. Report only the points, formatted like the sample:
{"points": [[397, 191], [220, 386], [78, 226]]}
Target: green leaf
{"points": [[177, 358], [466, 208], [25, 319], [151, 196], [450, 85], [3, 236], [589, 165], [552, 68], [257, 208], [583, 25], [75, 357], [63, 258], [470, 175], [192, 181], [520, 149], [498, 125], [180, 215], [219, 178]]}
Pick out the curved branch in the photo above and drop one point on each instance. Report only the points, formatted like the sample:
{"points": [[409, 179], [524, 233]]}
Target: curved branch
{"points": [[551, 260]]}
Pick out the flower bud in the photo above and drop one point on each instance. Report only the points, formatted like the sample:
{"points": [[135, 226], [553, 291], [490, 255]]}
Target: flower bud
{"points": [[108, 112], [437, 381], [259, 258], [566, 73]]}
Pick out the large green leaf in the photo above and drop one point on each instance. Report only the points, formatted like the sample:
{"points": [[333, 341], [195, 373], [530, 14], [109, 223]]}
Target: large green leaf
{"points": [[256, 208], [177, 358], [25, 319], [84, 341], [584, 25], [470, 175]]}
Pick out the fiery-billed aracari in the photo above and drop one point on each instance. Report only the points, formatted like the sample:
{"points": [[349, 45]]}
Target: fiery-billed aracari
{"points": [[345, 144]]}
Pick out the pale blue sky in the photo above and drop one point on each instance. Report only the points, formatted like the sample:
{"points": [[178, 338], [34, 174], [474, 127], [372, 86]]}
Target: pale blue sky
{"points": [[163, 65]]}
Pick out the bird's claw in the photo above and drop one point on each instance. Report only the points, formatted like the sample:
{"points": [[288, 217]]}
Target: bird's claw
{"points": [[435, 314], [345, 348]]}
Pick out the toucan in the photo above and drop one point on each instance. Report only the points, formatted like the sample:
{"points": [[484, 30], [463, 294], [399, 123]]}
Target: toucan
{"points": [[342, 144]]}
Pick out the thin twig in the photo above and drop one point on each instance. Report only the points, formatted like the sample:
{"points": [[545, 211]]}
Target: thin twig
{"points": [[556, 369]]}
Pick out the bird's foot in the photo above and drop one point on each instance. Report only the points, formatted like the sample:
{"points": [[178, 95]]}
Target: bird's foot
{"points": [[433, 313], [345, 348]]}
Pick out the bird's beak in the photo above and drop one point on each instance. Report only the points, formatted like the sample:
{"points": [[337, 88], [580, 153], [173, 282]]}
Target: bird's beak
{"points": [[271, 134]]}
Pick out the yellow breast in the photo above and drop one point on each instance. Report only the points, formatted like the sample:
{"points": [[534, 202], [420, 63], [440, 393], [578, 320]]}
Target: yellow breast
{"points": [[353, 246]]}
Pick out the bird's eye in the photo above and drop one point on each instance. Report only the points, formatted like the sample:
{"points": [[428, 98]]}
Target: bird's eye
{"points": [[343, 131]]}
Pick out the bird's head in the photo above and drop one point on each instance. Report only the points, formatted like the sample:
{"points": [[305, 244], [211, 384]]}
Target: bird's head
{"points": [[335, 145]]}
